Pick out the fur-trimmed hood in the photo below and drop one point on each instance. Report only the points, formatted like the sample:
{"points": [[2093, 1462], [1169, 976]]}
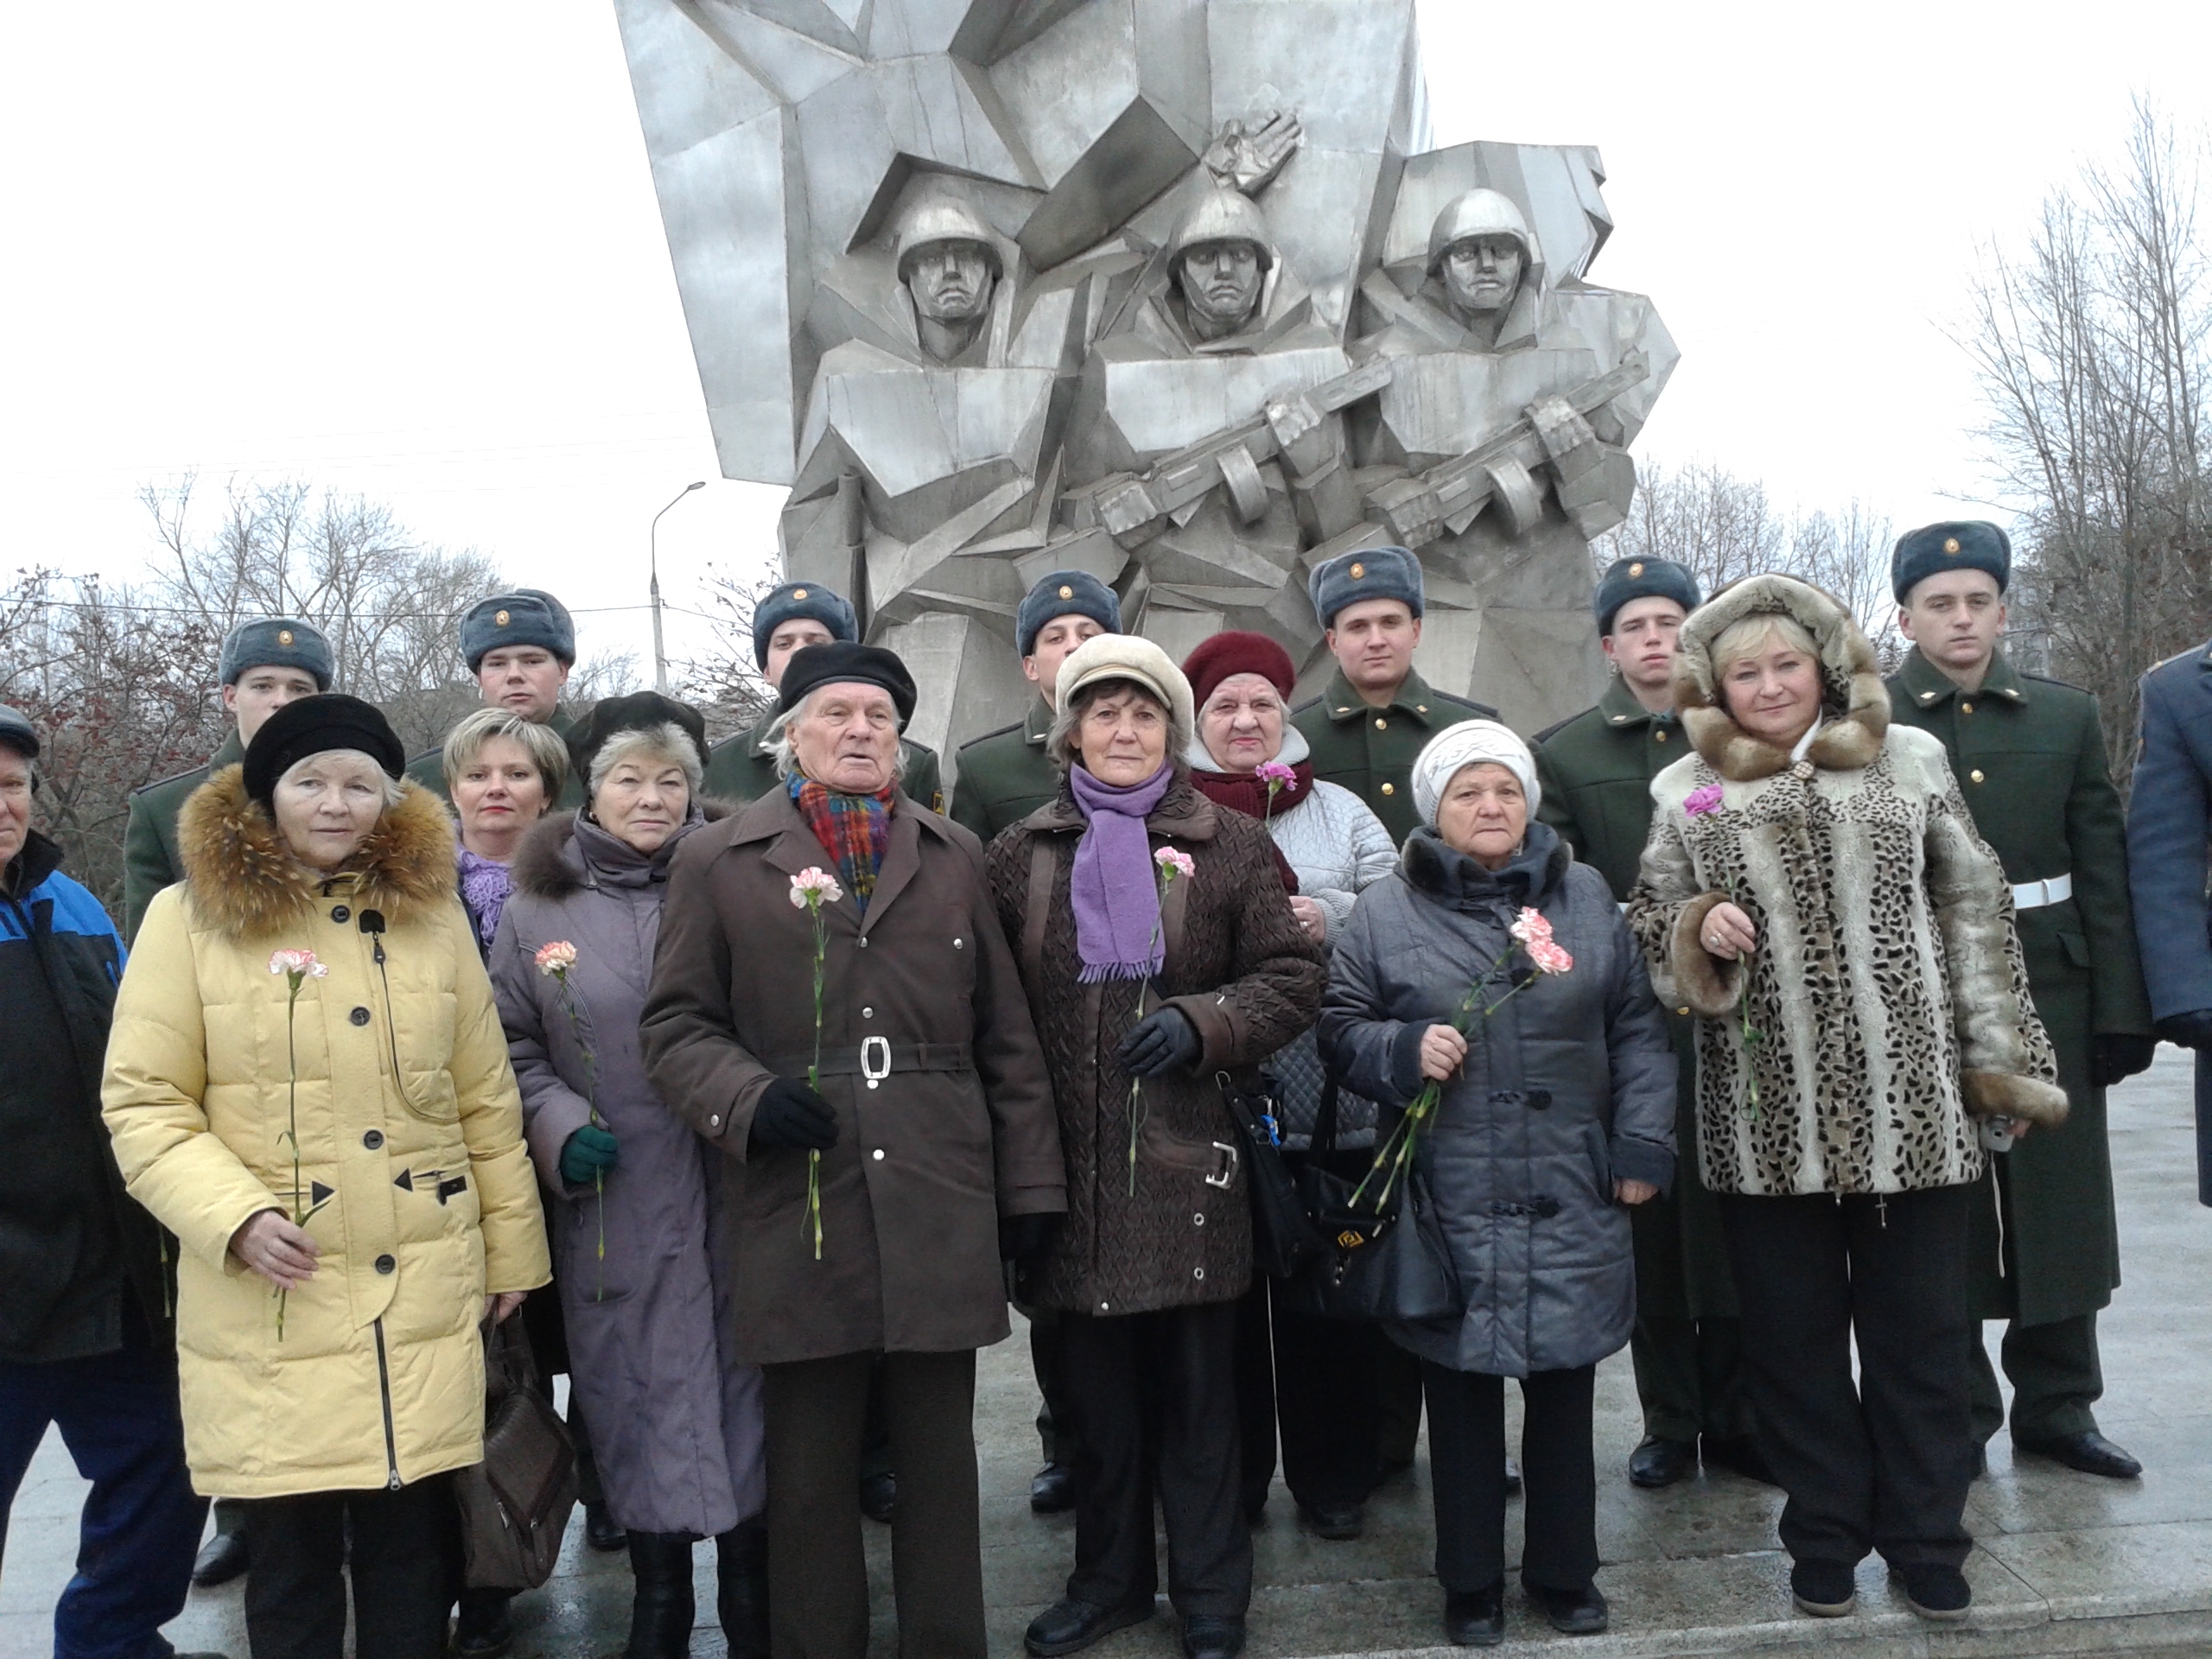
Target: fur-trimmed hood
{"points": [[244, 882], [1854, 702], [546, 868]]}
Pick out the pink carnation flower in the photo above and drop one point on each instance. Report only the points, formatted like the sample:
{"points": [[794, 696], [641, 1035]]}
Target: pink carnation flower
{"points": [[1550, 958], [1174, 863], [1534, 929], [301, 963], [556, 957], [1699, 801], [1275, 775], [814, 886]]}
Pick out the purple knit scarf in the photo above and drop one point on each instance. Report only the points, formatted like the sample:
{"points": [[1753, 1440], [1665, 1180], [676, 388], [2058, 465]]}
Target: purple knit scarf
{"points": [[485, 885], [1114, 893]]}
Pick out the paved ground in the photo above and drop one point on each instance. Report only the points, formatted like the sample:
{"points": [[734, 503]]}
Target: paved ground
{"points": [[2065, 1563]]}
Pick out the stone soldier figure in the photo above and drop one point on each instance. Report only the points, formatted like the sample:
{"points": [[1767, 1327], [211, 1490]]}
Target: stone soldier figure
{"points": [[2169, 823], [1375, 712], [1006, 775], [520, 646], [1597, 771], [1003, 777], [2029, 755], [791, 617], [1363, 732], [950, 267], [266, 664]]}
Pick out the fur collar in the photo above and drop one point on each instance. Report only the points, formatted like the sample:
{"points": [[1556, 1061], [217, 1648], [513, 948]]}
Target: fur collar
{"points": [[244, 883], [541, 866], [1854, 701]]}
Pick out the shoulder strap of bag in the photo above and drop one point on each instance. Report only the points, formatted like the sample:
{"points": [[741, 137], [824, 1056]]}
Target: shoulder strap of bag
{"points": [[1325, 1120]]}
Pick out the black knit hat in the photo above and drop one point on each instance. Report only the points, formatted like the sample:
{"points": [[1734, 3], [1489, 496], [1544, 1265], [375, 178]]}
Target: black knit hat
{"points": [[1957, 545], [841, 663], [329, 720], [1063, 593], [1631, 579], [790, 602], [640, 711]]}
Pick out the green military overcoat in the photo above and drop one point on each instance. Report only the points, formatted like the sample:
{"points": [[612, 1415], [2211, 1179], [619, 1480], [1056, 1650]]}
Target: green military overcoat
{"points": [[428, 768], [1596, 771], [150, 856], [2030, 757], [1370, 750], [1005, 775], [743, 768]]}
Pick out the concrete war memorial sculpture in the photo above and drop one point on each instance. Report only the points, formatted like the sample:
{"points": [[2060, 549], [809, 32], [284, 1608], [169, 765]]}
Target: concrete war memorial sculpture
{"points": [[1173, 291]]}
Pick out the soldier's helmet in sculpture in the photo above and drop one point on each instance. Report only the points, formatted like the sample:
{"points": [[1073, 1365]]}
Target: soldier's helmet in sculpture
{"points": [[1478, 212], [936, 219], [1220, 216]]}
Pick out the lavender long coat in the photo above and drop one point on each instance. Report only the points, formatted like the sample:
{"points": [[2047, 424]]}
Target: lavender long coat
{"points": [[675, 1424]]}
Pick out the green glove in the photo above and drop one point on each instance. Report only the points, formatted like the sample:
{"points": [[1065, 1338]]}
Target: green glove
{"points": [[587, 1155]]}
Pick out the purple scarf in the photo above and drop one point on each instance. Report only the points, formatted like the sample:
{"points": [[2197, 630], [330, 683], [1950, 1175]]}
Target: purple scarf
{"points": [[484, 888], [1113, 889]]}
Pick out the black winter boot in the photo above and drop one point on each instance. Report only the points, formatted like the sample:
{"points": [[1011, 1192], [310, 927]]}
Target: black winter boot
{"points": [[661, 1610], [741, 1600]]}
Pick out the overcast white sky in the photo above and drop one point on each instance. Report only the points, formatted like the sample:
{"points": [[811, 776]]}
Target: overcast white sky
{"points": [[412, 249]]}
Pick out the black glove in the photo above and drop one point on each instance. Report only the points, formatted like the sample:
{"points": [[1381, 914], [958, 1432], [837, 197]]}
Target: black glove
{"points": [[791, 1114], [1023, 1239], [2191, 1030], [1159, 1042], [2114, 1058]]}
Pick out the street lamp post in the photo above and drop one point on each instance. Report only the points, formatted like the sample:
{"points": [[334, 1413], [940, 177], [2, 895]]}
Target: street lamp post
{"points": [[652, 540]]}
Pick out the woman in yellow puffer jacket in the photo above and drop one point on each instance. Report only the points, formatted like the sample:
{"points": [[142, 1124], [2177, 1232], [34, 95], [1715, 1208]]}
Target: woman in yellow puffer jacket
{"points": [[345, 1173]]}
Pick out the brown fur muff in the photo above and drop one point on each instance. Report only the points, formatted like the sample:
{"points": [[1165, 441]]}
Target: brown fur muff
{"points": [[243, 882]]}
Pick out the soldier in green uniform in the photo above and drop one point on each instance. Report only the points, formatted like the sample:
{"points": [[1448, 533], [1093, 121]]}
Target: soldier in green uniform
{"points": [[1597, 771], [1006, 775], [790, 618], [1375, 713], [2030, 758], [521, 647], [1363, 732], [265, 665]]}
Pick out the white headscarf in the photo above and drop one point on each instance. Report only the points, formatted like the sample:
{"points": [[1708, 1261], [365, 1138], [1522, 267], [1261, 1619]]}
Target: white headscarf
{"points": [[1465, 745]]}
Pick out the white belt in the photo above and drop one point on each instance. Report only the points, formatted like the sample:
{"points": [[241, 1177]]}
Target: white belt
{"points": [[2034, 895]]}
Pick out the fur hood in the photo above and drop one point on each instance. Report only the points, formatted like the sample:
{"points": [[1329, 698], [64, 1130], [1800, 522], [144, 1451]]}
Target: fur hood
{"points": [[244, 883], [543, 868], [1854, 702]]}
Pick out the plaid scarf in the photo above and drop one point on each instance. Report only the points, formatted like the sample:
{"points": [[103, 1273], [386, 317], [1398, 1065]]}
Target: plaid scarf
{"points": [[855, 829]]}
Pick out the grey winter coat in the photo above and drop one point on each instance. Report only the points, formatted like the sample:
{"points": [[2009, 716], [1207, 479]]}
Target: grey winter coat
{"points": [[676, 1422], [1569, 1086]]}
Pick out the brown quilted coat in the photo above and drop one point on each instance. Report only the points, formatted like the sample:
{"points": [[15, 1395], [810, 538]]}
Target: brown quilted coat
{"points": [[1241, 968]]}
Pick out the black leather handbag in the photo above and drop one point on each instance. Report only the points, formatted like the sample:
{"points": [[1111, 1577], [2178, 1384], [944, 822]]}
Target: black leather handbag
{"points": [[515, 1504], [1285, 1241], [1384, 1258]]}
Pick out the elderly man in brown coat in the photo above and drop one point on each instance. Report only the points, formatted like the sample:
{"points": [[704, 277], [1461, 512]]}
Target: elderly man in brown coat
{"points": [[891, 1140]]}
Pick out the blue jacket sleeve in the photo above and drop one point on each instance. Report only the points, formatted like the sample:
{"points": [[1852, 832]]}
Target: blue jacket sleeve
{"points": [[1358, 1039], [2166, 829]]}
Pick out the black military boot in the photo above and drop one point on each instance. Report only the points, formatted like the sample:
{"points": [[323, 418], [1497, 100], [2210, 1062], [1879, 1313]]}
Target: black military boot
{"points": [[661, 1610], [741, 1596]]}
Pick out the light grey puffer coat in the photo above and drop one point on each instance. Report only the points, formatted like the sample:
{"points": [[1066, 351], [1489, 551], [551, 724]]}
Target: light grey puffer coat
{"points": [[1569, 1084]]}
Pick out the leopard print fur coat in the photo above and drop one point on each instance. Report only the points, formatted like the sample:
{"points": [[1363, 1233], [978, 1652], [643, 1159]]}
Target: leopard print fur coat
{"points": [[1887, 1005]]}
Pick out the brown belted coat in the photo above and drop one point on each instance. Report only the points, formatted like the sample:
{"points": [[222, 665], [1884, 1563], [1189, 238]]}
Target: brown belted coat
{"points": [[1241, 968], [958, 1132]]}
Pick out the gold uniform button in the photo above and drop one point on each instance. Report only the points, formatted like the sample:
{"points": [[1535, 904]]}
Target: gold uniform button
{"points": [[1389, 789], [1683, 1012], [1658, 737], [1966, 707], [1975, 775], [1382, 725]]}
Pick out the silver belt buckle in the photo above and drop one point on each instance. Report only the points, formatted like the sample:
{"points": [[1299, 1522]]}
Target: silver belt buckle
{"points": [[875, 1059], [1226, 1172]]}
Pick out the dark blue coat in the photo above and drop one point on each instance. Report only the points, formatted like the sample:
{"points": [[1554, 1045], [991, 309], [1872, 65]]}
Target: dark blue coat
{"points": [[74, 1248], [2169, 814]]}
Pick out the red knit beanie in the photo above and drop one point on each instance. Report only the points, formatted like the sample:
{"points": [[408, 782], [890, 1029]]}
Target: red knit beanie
{"points": [[1226, 654]]}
